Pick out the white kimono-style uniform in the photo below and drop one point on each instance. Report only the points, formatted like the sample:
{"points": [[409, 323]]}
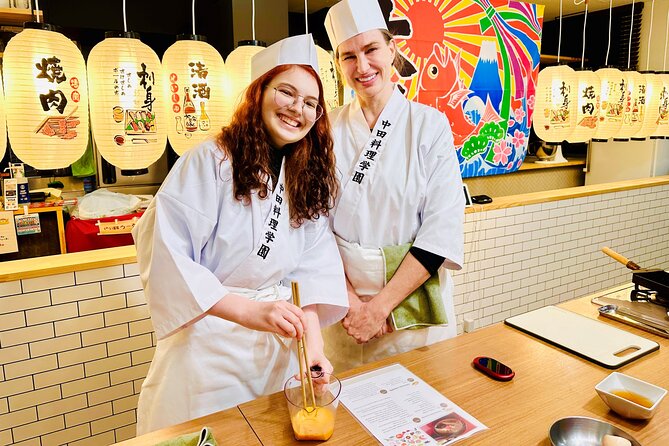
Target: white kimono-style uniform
{"points": [[195, 244], [401, 183]]}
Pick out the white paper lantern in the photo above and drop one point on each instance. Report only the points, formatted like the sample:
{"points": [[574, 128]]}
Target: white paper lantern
{"points": [[587, 108], [128, 107], [613, 94], [47, 94], [3, 122], [555, 106], [650, 109], [238, 67], [195, 82], [632, 119], [328, 75], [662, 130]]}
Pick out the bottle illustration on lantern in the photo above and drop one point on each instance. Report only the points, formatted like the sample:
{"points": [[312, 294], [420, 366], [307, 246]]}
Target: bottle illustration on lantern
{"points": [[180, 126], [204, 118], [190, 118]]}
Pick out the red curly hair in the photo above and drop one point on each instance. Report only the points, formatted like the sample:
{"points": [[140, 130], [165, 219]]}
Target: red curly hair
{"points": [[311, 181]]}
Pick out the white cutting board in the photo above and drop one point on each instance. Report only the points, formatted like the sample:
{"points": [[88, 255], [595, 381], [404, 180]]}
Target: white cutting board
{"points": [[585, 337]]}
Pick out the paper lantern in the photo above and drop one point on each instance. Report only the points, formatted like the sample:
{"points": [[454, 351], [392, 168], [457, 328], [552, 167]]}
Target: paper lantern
{"points": [[650, 109], [587, 108], [632, 119], [3, 122], [328, 75], [613, 94], [238, 66], [46, 91], [662, 130], [195, 83], [128, 113], [555, 106]]}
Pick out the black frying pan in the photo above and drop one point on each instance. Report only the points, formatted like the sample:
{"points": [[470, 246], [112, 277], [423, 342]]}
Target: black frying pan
{"points": [[653, 279]]}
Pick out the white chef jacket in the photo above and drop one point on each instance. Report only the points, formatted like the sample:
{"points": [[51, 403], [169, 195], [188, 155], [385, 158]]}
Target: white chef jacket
{"points": [[414, 195], [195, 244]]}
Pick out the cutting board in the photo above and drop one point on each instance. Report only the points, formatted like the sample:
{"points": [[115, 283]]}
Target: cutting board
{"points": [[595, 341]]}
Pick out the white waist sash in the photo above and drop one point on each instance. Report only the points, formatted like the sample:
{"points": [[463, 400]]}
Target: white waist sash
{"points": [[269, 294], [365, 268]]}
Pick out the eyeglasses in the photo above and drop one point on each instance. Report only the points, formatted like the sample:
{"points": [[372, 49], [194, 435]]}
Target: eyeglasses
{"points": [[285, 97]]}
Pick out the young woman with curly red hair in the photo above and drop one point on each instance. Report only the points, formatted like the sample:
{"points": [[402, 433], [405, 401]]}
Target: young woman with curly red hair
{"points": [[236, 220]]}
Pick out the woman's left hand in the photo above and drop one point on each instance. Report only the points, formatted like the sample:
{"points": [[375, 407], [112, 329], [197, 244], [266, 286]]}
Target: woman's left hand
{"points": [[364, 321], [317, 359]]}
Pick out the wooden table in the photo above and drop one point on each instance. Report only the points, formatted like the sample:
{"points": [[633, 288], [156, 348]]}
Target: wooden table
{"points": [[550, 384], [229, 427]]}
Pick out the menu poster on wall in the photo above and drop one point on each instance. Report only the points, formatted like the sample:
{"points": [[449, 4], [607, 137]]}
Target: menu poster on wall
{"points": [[27, 224], [8, 242], [399, 408]]}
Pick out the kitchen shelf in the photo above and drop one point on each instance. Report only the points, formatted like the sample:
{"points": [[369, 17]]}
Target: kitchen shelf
{"points": [[14, 16], [531, 164]]}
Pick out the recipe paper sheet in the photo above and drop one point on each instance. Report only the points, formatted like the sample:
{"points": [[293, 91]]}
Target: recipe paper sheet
{"points": [[399, 408]]}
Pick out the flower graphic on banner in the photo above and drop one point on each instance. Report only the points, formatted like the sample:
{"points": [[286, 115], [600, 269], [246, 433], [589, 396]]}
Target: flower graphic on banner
{"points": [[476, 61], [501, 151], [518, 139]]}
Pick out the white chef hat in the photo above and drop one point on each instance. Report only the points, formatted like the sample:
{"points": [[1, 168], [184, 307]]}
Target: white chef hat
{"points": [[298, 50], [349, 18]]}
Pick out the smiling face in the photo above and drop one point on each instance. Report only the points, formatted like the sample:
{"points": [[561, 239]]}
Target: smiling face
{"points": [[366, 62], [287, 124]]}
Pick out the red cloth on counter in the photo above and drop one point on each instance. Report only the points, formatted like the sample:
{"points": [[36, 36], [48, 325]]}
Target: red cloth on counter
{"points": [[82, 234]]}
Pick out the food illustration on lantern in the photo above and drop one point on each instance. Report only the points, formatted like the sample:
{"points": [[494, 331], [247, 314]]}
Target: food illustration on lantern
{"points": [[64, 127], [137, 122]]}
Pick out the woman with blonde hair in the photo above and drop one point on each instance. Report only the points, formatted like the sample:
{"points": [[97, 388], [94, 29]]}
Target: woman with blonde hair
{"points": [[400, 211]]}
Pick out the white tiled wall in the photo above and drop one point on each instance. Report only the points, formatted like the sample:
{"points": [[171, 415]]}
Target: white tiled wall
{"points": [[521, 258], [74, 348]]}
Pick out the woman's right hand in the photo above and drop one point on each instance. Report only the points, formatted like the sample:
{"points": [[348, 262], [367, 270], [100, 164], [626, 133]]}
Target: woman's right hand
{"points": [[280, 317]]}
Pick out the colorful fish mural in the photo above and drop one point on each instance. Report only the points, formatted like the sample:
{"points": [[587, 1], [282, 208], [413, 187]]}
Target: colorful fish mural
{"points": [[477, 61]]}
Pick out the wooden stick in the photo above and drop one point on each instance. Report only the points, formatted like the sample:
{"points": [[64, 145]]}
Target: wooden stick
{"points": [[302, 354], [620, 258]]}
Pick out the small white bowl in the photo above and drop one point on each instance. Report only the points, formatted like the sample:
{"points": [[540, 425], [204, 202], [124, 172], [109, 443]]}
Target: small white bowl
{"points": [[623, 406]]}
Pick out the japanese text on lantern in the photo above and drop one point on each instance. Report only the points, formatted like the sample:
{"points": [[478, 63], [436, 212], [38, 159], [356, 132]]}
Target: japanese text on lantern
{"points": [[144, 77], [51, 70], [122, 81], [560, 114], [199, 71], [588, 94]]}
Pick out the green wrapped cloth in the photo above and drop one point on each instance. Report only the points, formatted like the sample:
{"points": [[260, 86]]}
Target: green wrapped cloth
{"points": [[422, 308], [203, 438], [85, 166]]}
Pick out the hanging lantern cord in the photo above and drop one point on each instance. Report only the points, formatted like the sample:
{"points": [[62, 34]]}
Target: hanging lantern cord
{"points": [[125, 22], [629, 47], [585, 21], [650, 33], [608, 47], [306, 18], [666, 39], [253, 18], [559, 34], [37, 10], [193, 14]]}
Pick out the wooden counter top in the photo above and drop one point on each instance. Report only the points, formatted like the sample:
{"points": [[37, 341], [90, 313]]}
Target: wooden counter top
{"points": [[64, 263], [229, 427], [43, 266], [570, 192], [550, 384]]}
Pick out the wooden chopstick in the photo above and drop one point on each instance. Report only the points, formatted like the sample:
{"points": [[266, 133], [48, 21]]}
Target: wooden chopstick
{"points": [[302, 355]]}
